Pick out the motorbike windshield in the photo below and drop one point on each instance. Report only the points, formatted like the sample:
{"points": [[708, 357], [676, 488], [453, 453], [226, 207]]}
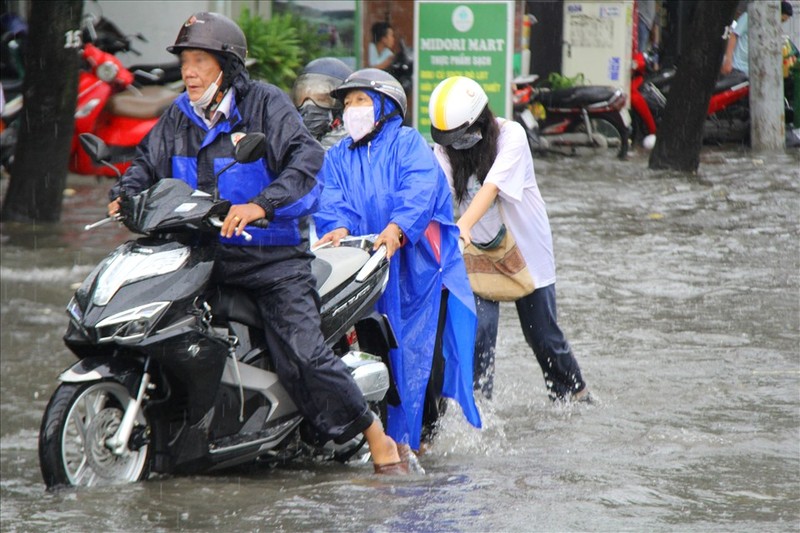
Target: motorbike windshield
{"points": [[169, 205]]}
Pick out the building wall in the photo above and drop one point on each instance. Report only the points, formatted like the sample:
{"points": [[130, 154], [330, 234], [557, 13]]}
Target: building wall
{"points": [[158, 22]]}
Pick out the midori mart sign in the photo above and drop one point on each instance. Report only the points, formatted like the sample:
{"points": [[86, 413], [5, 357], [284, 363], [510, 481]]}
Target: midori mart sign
{"points": [[472, 39]]}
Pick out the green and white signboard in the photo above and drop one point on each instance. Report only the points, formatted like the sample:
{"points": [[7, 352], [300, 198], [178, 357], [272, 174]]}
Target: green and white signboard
{"points": [[472, 39]]}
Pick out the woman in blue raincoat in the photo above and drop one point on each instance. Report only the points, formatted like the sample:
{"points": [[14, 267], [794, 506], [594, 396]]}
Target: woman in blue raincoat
{"points": [[384, 179]]}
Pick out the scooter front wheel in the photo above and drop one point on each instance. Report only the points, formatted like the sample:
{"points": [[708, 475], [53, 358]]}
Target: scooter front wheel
{"points": [[77, 423]]}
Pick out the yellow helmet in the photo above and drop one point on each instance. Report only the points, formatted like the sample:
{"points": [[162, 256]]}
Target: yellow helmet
{"points": [[455, 105]]}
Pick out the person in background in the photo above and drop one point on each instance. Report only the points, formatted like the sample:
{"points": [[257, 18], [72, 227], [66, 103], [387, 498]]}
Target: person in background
{"points": [[647, 27], [384, 179], [737, 52], [311, 94], [197, 135], [381, 49], [488, 164]]}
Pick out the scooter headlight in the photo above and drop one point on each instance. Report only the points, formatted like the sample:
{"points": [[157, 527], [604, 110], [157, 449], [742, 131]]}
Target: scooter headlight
{"points": [[106, 71], [130, 325], [134, 266]]}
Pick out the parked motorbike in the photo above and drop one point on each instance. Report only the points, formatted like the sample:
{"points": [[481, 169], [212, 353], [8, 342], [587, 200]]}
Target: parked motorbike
{"points": [[108, 37], [118, 105], [728, 110], [560, 120], [12, 74], [111, 106], [402, 68], [9, 129], [174, 374]]}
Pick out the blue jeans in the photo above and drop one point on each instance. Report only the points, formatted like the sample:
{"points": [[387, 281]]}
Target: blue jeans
{"points": [[643, 32], [537, 316]]}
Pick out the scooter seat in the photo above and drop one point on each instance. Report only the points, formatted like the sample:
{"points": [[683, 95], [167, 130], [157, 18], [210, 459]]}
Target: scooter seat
{"points": [[736, 77], [348, 261], [580, 96], [144, 102], [233, 303]]}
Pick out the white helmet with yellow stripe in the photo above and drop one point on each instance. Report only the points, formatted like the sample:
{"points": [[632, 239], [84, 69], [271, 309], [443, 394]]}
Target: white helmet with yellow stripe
{"points": [[455, 105]]}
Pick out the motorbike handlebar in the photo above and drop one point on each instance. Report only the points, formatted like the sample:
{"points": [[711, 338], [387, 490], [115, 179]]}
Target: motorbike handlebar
{"points": [[101, 222], [372, 263], [260, 223], [217, 223]]}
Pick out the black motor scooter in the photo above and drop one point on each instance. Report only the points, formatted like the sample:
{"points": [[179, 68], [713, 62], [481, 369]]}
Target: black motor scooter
{"points": [[174, 374]]}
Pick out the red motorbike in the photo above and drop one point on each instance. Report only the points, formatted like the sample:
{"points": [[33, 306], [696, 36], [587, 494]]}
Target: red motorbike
{"points": [[113, 108], [728, 109]]}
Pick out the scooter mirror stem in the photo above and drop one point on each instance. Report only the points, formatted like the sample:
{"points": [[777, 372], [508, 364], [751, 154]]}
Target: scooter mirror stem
{"points": [[249, 149], [216, 179]]}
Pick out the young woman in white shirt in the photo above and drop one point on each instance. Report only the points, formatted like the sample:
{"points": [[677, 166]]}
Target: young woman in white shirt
{"points": [[488, 163]]}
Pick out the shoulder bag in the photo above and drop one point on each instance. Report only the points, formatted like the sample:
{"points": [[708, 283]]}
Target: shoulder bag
{"points": [[497, 270]]}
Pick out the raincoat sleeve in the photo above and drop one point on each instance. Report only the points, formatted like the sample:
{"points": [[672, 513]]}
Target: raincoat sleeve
{"points": [[293, 155], [335, 210], [417, 187]]}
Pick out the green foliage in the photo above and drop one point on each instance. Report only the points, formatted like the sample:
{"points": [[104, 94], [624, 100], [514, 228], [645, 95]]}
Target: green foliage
{"points": [[281, 46], [558, 81]]}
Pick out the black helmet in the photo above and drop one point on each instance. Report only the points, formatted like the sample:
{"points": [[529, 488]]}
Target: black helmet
{"points": [[317, 80], [377, 80], [214, 33]]}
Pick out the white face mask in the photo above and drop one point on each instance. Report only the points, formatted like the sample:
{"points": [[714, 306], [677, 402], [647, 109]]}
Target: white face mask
{"points": [[204, 100], [359, 121]]}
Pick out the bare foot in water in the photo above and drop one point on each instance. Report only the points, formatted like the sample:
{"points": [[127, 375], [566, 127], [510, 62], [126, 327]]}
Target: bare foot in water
{"points": [[385, 456]]}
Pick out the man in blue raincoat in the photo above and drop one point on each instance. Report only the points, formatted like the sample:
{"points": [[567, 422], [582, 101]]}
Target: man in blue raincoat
{"points": [[192, 141], [384, 179]]}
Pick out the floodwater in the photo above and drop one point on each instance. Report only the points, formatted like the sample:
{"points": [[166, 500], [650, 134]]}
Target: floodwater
{"points": [[679, 294]]}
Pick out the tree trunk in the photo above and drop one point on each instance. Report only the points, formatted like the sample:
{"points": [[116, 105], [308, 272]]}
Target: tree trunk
{"points": [[680, 134], [767, 116], [39, 171]]}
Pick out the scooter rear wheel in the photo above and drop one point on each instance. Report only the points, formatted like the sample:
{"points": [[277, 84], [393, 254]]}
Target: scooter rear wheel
{"points": [[77, 422]]}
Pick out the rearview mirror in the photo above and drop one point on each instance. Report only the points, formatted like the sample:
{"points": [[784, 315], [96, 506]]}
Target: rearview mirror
{"points": [[95, 147], [250, 148]]}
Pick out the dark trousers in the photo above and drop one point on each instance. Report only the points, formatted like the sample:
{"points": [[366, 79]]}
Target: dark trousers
{"points": [[435, 405], [318, 382], [537, 316]]}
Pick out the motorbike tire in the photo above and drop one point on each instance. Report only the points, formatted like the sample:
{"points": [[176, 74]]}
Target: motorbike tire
{"points": [[611, 126], [72, 450]]}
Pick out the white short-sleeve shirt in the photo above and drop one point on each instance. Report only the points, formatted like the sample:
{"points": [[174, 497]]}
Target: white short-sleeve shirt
{"points": [[522, 207]]}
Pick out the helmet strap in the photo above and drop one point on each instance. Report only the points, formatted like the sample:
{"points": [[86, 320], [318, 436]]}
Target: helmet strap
{"points": [[230, 69]]}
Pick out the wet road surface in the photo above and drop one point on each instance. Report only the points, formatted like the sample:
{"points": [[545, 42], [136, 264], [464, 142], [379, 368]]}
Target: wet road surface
{"points": [[680, 296]]}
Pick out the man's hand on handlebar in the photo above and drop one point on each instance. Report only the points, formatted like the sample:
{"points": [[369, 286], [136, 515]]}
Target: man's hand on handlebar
{"points": [[113, 208], [239, 216]]}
